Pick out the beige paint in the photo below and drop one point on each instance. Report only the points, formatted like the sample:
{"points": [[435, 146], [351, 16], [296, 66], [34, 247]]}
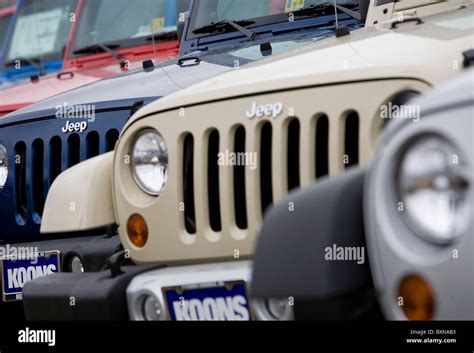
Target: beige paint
{"points": [[359, 72], [168, 241], [81, 198]]}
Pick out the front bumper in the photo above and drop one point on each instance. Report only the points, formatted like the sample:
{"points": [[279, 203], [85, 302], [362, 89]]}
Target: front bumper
{"points": [[155, 282], [92, 251], [80, 296], [107, 295]]}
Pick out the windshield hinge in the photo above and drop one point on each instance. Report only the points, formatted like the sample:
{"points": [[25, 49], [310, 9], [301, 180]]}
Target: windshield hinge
{"points": [[468, 58], [266, 49], [148, 65]]}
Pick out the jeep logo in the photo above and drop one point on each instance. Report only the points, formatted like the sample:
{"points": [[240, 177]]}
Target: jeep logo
{"points": [[267, 110], [76, 127]]}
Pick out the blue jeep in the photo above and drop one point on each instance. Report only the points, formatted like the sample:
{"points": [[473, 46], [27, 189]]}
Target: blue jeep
{"points": [[36, 145]]}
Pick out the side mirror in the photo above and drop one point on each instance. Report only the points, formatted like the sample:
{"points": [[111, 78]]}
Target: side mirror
{"points": [[181, 24]]}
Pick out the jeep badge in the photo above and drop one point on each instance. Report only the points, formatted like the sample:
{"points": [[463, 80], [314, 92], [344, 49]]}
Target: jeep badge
{"points": [[267, 110]]}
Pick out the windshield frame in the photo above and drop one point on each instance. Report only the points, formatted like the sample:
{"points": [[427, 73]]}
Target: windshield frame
{"points": [[259, 21], [280, 19], [125, 43], [268, 27]]}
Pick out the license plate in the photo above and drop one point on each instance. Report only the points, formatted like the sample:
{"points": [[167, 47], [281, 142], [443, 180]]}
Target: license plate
{"points": [[16, 272], [216, 301]]}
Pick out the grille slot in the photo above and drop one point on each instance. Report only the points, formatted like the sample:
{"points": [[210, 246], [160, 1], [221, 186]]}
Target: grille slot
{"points": [[92, 144], [73, 150], [266, 189], [111, 138], [240, 201], [351, 139], [20, 179], [37, 176], [322, 147], [188, 184], [55, 153], [213, 181], [38, 164], [293, 154]]}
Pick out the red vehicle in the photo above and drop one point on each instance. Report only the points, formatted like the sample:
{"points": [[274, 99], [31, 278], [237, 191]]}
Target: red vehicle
{"points": [[108, 37]]}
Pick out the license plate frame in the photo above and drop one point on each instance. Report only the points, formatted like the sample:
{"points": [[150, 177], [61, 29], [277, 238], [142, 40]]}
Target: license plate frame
{"points": [[222, 290], [41, 258]]}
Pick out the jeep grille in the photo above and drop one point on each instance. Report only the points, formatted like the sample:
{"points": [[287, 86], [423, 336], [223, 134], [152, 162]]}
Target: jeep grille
{"points": [[39, 162], [278, 149]]}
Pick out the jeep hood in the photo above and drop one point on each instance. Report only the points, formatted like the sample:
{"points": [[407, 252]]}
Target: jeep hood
{"points": [[18, 96], [370, 53], [106, 92]]}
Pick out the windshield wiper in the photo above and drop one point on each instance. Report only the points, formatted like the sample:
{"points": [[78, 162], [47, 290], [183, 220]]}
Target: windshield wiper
{"points": [[108, 48], [327, 9], [35, 62], [227, 26]]}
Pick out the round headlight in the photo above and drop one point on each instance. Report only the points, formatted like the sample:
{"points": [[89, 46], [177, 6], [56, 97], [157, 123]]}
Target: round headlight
{"points": [[75, 264], [3, 166], [273, 309], [278, 308], [151, 308], [433, 188], [150, 162]]}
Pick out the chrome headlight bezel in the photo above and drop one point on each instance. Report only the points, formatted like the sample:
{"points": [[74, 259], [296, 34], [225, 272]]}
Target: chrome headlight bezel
{"points": [[3, 166], [438, 177], [162, 161], [149, 308], [264, 309], [76, 264]]}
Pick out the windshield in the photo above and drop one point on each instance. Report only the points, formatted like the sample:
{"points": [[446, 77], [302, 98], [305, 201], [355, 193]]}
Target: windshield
{"points": [[41, 29], [209, 11], [242, 55], [3, 26], [124, 22]]}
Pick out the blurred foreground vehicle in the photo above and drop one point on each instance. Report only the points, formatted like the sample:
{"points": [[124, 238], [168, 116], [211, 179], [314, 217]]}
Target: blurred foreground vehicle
{"points": [[108, 37], [408, 214], [34, 45], [193, 173], [40, 141]]}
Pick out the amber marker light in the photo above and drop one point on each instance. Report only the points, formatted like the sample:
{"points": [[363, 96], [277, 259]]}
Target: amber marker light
{"points": [[137, 230], [418, 298]]}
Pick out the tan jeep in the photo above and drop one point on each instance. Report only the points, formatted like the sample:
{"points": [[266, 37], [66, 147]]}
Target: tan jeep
{"points": [[193, 173]]}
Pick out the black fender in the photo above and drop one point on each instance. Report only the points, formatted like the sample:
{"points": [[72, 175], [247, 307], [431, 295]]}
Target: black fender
{"points": [[290, 258]]}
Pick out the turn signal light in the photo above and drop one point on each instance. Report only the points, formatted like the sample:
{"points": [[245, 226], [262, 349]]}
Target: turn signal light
{"points": [[137, 230], [418, 298]]}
